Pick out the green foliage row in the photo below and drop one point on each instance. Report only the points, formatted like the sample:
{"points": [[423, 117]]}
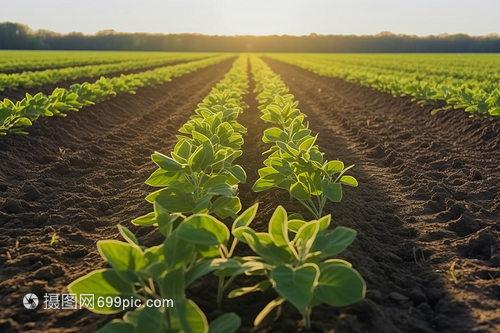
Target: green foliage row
{"points": [[199, 176], [294, 257], [36, 60], [198, 179], [295, 163], [469, 82], [15, 117], [39, 78]]}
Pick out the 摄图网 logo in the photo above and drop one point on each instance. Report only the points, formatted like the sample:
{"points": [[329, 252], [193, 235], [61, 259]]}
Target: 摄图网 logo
{"points": [[30, 301]]}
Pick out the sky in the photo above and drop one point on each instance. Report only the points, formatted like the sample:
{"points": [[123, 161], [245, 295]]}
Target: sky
{"points": [[257, 17]]}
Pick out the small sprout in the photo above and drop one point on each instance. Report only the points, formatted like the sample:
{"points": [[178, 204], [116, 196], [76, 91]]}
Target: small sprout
{"points": [[62, 151], [54, 239]]}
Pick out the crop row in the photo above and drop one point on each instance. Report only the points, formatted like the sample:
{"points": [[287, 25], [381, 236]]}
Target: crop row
{"points": [[14, 117], [39, 78], [295, 164], [200, 180], [455, 82], [36, 60]]}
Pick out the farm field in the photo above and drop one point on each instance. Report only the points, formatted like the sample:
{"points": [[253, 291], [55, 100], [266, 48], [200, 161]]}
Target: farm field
{"points": [[421, 205]]}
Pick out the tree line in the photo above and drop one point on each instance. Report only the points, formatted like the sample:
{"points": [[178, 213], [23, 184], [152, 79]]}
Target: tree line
{"points": [[19, 36]]}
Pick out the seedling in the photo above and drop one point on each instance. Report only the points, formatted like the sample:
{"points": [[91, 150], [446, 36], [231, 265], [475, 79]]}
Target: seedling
{"points": [[296, 257], [54, 239], [295, 163]]}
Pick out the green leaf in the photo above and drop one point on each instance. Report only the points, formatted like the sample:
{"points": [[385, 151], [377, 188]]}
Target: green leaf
{"points": [[238, 172], [164, 219], [267, 170], [131, 317], [261, 286], [333, 191], [203, 229], [300, 191], [175, 201], [301, 134], [226, 323], [324, 222], [215, 180], [296, 284], [269, 251], [183, 149], [148, 219], [340, 285], [307, 144], [294, 225], [177, 251], [173, 285], [267, 309], [282, 166], [305, 237], [117, 326], [128, 235], [202, 204], [191, 318], [154, 253], [220, 203], [349, 180], [494, 111], [155, 270], [333, 167], [287, 148], [202, 157], [209, 265], [295, 216], [230, 207], [102, 283], [246, 217], [278, 227], [268, 181], [163, 178], [126, 259], [166, 163], [198, 136], [222, 189], [274, 134], [334, 242], [150, 320], [23, 122]]}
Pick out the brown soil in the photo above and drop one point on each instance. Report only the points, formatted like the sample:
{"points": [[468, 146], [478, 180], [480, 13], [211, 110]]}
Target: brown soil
{"points": [[18, 93], [428, 196]]}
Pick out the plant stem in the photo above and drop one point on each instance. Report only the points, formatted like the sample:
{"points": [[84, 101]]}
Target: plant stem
{"points": [[320, 207], [312, 208], [309, 207], [167, 315], [220, 290], [228, 282], [306, 313], [233, 246]]}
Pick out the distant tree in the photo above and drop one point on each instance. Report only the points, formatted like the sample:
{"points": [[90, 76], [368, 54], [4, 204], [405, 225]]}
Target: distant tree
{"points": [[19, 36]]}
